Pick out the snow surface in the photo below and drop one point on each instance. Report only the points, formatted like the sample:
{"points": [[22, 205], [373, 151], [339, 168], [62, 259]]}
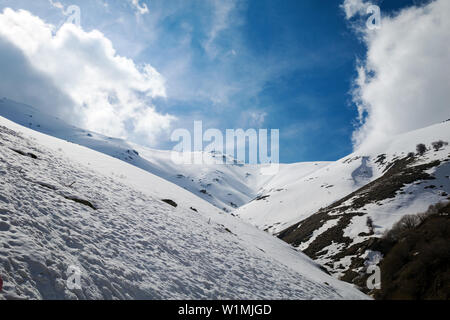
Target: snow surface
{"points": [[226, 186], [132, 245], [292, 203], [289, 203], [271, 203], [412, 198]]}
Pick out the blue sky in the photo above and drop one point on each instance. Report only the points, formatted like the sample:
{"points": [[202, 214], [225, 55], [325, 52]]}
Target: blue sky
{"points": [[285, 65]]}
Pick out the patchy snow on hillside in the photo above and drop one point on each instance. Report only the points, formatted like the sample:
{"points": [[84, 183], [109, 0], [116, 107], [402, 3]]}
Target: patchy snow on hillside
{"points": [[398, 181], [287, 204], [64, 206], [325, 193], [413, 197]]}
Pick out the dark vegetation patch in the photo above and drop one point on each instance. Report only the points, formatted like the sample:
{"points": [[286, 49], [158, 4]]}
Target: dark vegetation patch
{"points": [[369, 223], [383, 188], [437, 145], [381, 159], [271, 226], [205, 192], [334, 234], [421, 149], [417, 257], [400, 172], [303, 230], [387, 186], [133, 152], [170, 202], [350, 160]]}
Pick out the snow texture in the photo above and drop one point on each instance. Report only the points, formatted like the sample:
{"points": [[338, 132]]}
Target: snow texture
{"points": [[63, 205], [287, 204], [226, 186]]}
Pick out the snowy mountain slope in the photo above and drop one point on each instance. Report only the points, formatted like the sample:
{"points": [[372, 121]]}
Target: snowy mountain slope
{"points": [[62, 204], [227, 186], [386, 183], [287, 204]]}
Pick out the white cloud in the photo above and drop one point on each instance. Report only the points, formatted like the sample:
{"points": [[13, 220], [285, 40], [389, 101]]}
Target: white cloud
{"points": [[221, 20], [354, 7], [404, 83], [140, 8], [56, 4], [103, 91], [256, 119]]}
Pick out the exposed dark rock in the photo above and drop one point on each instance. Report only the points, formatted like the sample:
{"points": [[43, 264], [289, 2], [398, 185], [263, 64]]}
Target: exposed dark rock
{"points": [[81, 201], [26, 154], [46, 185], [170, 202]]}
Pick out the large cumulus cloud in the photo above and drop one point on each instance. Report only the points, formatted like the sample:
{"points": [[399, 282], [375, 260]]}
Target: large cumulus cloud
{"points": [[78, 75], [404, 82]]}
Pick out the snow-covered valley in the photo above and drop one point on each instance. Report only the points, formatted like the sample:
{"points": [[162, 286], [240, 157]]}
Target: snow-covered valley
{"points": [[302, 197], [226, 186], [97, 202], [64, 205], [342, 209]]}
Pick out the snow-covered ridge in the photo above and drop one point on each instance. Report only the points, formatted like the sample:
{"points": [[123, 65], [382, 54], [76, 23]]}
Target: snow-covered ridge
{"points": [[303, 204], [226, 186], [287, 204], [336, 214], [62, 204]]}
